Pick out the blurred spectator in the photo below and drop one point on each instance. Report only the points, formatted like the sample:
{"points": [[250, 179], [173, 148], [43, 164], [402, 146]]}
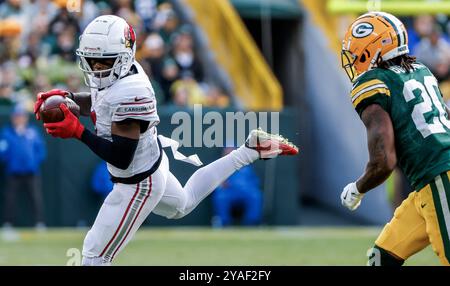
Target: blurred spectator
{"points": [[101, 181], [186, 91], [170, 73], [152, 52], [39, 38], [73, 82], [67, 44], [216, 97], [89, 11], [32, 51], [61, 22], [10, 84], [147, 11], [434, 52], [125, 9], [151, 57], [5, 94], [40, 83], [9, 74], [38, 14], [167, 22], [10, 31], [421, 28], [184, 55], [104, 8], [10, 8], [240, 193], [22, 151]]}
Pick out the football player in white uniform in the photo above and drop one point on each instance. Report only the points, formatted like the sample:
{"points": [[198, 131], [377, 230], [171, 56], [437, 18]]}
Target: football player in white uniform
{"points": [[122, 106]]}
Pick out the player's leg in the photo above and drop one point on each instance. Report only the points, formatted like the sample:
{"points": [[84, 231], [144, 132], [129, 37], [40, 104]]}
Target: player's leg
{"points": [[402, 237], [252, 200], [34, 189], [122, 213], [435, 208], [12, 188], [221, 201], [179, 201], [157, 181]]}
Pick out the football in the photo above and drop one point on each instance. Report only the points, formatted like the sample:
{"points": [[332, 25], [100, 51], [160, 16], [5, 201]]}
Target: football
{"points": [[50, 111]]}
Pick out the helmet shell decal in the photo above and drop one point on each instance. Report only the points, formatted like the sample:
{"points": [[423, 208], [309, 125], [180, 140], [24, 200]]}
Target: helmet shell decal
{"points": [[362, 30], [130, 37]]}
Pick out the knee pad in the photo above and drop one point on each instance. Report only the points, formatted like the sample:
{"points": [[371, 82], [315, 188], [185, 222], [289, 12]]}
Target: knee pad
{"points": [[377, 256]]}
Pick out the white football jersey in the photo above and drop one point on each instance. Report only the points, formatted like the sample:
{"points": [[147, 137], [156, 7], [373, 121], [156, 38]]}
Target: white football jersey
{"points": [[131, 97]]}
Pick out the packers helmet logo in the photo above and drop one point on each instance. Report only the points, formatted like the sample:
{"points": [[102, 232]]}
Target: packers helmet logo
{"points": [[362, 30]]}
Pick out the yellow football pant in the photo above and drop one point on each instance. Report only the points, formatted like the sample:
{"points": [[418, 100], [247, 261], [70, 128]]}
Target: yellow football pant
{"points": [[421, 219]]}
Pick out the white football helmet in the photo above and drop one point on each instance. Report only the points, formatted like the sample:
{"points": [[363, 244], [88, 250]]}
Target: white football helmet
{"points": [[108, 40]]}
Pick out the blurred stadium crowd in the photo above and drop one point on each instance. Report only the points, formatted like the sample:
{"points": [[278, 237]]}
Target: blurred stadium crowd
{"points": [[429, 41], [38, 39]]}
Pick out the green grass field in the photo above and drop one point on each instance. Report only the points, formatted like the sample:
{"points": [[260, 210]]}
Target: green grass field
{"points": [[206, 246]]}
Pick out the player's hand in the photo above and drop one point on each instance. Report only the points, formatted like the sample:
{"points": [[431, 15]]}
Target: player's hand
{"points": [[70, 127], [42, 96], [351, 197]]}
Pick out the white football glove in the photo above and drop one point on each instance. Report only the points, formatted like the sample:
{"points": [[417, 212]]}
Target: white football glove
{"points": [[351, 197]]}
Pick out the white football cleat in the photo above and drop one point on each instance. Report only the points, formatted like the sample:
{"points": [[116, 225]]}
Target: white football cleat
{"points": [[269, 145]]}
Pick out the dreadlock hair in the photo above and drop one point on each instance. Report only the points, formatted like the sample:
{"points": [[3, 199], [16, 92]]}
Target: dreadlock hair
{"points": [[404, 61]]}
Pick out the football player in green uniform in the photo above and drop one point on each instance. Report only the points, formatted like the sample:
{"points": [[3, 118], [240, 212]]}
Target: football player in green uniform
{"points": [[407, 122]]}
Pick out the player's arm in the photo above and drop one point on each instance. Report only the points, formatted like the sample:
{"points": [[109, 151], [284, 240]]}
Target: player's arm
{"points": [[382, 155], [83, 100], [120, 151], [381, 146]]}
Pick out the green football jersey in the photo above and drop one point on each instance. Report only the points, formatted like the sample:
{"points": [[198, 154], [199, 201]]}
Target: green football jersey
{"points": [[417, 110]]}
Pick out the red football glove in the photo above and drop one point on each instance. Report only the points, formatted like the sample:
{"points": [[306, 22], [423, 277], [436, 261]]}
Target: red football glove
{"points": [[42, 96], [70, 127]]}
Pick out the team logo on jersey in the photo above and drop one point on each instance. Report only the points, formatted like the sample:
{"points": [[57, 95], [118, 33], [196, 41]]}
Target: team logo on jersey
{"points": [[130, 37], [362, 30]]}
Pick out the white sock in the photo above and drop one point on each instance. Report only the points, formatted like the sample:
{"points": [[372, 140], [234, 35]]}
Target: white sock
{"points": [[244, 156], [208, 178]]}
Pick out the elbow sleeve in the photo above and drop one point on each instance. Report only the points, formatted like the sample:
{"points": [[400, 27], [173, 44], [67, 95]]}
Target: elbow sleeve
{"points": [[123, 151], [119, 152]]}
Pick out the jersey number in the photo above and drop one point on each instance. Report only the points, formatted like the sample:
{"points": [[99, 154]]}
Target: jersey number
{"points": [[430, 103]]}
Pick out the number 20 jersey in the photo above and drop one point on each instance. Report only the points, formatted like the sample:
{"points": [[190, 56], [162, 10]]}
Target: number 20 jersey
{"points": [[417, 110]]}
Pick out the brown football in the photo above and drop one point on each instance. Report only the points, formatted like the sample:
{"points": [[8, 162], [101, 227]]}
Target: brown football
{"points": [[50, 111]]}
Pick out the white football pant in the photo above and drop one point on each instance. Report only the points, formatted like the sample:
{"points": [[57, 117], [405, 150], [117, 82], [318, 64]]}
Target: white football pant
{"points": [[127, 206]]}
